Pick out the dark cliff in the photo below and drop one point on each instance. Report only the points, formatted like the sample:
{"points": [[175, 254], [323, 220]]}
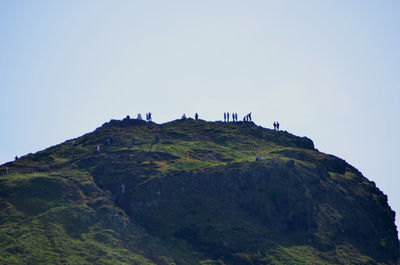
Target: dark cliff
{"points": [[192, 193]]}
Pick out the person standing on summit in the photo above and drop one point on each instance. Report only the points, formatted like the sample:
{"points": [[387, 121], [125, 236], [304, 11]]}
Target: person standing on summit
{"points": [[227, 116]]}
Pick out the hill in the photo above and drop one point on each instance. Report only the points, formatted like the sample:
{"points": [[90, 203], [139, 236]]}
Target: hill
{"points": [[191, 192]]}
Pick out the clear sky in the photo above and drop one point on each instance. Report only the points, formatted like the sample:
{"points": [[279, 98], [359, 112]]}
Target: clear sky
{"points": [[328, 70]]}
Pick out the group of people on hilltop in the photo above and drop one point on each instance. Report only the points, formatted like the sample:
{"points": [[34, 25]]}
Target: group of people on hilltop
{"points": [[247, 117], [226, 117], [235, 117], [276, 125], [148, 116], [196, 116]]}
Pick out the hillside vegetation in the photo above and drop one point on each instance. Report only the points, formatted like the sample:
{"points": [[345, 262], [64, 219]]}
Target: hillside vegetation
{"points": [[192, 193]]}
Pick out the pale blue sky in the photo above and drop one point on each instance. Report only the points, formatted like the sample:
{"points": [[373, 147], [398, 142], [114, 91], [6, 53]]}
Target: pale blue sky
{"points": [[328, 70]]}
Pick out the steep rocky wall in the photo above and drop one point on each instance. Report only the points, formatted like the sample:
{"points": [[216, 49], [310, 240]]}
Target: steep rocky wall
{"points": [[262, 203]]}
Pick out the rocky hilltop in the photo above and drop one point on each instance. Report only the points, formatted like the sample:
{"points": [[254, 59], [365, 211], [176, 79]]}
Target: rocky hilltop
{"points": [[191, 192]]}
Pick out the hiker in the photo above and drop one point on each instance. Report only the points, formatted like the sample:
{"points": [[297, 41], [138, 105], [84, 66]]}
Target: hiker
{"points": [[236, 116], [244, 118], [139, 116], [109, 140], [16, 157], [149, 116], [277, 126], [224, 116], [98, 148], [196, 116], [274, 126], [250, 116], [123, 188], [233, 116], [227, 116], [184, 116], [128, 117]]}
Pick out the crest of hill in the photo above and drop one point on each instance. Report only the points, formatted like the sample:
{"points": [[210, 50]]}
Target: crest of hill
{"points": [[193, 194], [199, 129]]}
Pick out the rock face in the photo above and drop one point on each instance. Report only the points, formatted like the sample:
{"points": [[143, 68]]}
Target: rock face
{"points": [[194, 194]]}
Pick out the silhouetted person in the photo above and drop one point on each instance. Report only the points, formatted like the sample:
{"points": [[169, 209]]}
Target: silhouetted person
{"points": [[274, 126], [139, 116], [224, 116], [16, 157], [184, 116], [149, 116], [227, 116], [236, 116], [277, 126], [196, 116], [250, 116]]}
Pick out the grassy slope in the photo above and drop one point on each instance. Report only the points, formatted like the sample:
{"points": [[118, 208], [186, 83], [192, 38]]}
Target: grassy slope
{"points": [[46, 218], [52, 211]]}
